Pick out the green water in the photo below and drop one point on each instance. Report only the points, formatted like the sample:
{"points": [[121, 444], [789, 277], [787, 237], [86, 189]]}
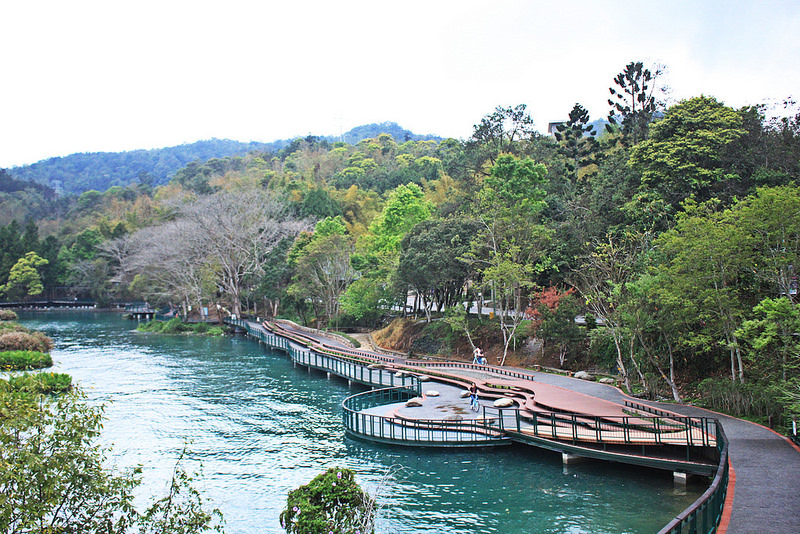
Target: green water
{"points": [[260, 427]]}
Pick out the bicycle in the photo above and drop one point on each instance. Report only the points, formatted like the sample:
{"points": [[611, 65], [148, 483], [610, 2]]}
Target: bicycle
{"points": [[474, 404]]}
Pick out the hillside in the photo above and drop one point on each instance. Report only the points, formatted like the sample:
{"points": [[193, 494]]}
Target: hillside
{"points": [[99, 171]]}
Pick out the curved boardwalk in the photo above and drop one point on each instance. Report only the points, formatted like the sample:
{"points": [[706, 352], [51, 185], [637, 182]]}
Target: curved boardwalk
{"points": [[766, 466]]}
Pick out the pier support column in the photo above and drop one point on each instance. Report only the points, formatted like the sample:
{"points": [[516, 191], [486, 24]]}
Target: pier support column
{"points": [[680, 479], [349, 383], [571, 459], [329, 375]]}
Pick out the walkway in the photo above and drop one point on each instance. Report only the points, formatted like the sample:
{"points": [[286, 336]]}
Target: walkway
{"points": [[766, 466]]}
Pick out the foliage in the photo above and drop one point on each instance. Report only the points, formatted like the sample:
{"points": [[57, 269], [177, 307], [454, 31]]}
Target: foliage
{"points": [[760, 400], [177, 326], [38, 383], [53, 476], [332, 502], [686, 150], [24, 359], [8, 315], [24, 279], [633, 101]]}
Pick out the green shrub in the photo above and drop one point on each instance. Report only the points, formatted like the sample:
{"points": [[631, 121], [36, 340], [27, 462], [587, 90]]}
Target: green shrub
{"points": [[39, 382], [176, 326], [8, 315], [17, 360], [25, 341], [216, 331], [751, 400], [332, 502]]}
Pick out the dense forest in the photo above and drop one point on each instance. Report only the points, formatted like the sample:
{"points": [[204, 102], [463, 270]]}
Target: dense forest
{"points": [[674, 232], [99, 171]]}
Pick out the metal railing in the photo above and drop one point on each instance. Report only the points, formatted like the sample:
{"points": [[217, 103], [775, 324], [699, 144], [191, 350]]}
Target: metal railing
{"points": [[421, 432], [472, 367], [308, 354], [704, 515], [626, 430]]}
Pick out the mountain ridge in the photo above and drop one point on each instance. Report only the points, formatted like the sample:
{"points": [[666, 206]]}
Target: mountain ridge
{"points": [[85, 171]]}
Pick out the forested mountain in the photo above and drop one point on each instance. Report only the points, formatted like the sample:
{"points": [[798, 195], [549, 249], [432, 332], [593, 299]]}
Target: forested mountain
{"points": [[99, 171]]}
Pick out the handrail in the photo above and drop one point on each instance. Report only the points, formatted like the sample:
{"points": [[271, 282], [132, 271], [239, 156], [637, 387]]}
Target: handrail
{"points": [[704, 514], [473, 366], [433, 432]]}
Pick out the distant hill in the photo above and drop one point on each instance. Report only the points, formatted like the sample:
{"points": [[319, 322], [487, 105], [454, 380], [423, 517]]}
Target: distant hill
{"points": [[99, 171]]}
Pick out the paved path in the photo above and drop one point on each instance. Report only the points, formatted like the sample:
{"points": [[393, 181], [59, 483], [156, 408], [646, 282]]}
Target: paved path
{"points": [[766, 466]]}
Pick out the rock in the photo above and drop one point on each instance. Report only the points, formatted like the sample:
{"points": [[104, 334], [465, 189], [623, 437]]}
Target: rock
{"points": [[423, 378], [416, 402], [465, 394], [375, 366], [454, 418], [583, 375], [607, 380], [431, 393], [400, 374], [503, 403]]}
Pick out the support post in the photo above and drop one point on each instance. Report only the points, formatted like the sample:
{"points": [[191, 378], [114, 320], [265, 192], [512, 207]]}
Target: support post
{"points": [[680, 479], [571, 459]]}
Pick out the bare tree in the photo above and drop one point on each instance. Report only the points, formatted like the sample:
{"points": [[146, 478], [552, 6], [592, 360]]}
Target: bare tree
{"points": [[214, 244]]}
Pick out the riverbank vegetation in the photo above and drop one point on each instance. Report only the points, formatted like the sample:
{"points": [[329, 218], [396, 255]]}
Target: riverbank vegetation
{"points": [[660, 248], [177, 326], [54, 476]]}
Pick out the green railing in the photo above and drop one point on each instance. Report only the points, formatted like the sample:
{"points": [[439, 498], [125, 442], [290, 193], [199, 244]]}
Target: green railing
{"points": [[704, 515], [419, 432], [356, 368], [626, 430]]}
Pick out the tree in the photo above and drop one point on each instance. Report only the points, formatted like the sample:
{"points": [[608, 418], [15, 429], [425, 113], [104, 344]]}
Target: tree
{"points": [[24, 278], [602, 281], [332, 502], [577, 140], [431, 261], [553, 317], [499, 132], [633, 102], [708, 265], [686, 150], [53, 476], [378, 251], [323, 272], [223, 238], [510, 247], [772, 337]]}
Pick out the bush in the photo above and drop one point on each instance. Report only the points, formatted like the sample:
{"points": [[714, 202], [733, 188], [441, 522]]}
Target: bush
{"points": [[176, 326], [8, 315], [38, 383], [752, 400], [26, 341], [24, 359], [332, 502]]}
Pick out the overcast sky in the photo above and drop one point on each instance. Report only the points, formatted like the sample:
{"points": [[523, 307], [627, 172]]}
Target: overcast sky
{"points": [[113, 75]]}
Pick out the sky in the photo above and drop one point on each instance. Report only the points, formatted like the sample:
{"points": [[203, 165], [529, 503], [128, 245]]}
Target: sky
{"points": [[116, 75]]}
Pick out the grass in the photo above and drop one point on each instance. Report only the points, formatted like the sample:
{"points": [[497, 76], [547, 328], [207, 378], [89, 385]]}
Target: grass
{"points": [[38, 383], [176, 326], [20, 360]]}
